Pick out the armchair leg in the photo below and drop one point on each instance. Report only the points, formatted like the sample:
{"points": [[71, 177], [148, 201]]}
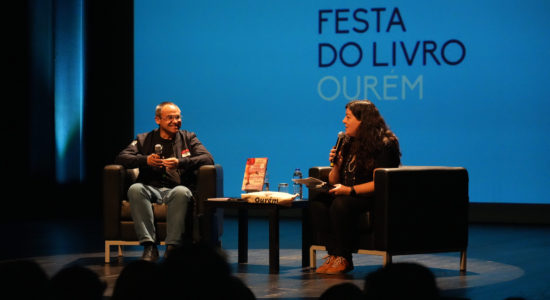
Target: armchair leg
{"points": [[463, 261], [386, 259], [312, 255], [107, 253], [312, 258]]}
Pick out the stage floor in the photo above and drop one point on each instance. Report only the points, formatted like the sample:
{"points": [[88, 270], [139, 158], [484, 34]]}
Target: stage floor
{"points": [[503, 260]]}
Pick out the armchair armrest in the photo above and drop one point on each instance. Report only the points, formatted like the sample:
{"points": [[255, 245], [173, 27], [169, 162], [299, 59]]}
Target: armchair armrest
{"points": [[209, 185], [114, 177], [320, 172], [420, 209]]}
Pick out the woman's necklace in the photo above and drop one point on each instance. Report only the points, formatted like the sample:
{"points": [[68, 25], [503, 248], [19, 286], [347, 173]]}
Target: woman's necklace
{"points": [[350, 171], [351, 165]]}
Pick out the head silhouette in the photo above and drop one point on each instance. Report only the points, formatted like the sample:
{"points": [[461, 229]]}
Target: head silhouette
{"points": [[401, 281], [133, 277], [77, 282]]}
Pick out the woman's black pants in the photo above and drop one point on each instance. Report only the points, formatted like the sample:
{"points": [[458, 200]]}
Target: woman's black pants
{"points": [[337, 219]]}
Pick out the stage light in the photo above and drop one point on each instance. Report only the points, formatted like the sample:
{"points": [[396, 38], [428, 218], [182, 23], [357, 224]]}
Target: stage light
{"points": [[69, 89]]}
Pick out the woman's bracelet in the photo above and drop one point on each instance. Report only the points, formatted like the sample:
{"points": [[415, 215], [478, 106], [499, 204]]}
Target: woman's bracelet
{"points": [[352, 192]]}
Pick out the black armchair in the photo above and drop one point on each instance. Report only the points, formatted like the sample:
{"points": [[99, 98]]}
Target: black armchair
{"points": [[417, 209], [118, 226]]}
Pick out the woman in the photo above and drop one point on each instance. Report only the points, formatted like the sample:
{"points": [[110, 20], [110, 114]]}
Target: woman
{"points": [[369, 144]]}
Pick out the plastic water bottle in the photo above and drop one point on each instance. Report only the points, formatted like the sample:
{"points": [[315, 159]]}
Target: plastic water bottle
{"points": [[297, 186], [266, 182]]}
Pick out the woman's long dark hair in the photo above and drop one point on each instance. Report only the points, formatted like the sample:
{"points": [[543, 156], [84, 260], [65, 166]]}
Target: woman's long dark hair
{"points": [[372, 135]]}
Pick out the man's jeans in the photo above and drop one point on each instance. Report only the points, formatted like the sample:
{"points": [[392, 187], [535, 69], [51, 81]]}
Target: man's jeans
{"points": [[177, 199]]}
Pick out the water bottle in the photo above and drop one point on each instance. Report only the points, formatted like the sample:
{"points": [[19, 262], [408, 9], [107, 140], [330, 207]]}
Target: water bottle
{"points": [[266, 182], [297, 186]]}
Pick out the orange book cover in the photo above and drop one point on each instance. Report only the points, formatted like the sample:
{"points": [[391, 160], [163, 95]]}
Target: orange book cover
{"points": [[254, 174]]}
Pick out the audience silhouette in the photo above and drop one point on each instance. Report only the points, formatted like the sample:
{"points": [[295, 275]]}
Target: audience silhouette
{"points": [[199, 271], [23, 279], [401, 281], [76, 282], [138, 273], [191, 271], [341, 291]]}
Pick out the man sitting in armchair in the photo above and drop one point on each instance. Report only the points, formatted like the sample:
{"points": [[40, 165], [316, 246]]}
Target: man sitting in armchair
{"points": [[167, 159]]}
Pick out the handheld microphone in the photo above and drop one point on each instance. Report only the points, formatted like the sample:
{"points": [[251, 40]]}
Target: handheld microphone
{"points": [[338, 145], [158, 149]]}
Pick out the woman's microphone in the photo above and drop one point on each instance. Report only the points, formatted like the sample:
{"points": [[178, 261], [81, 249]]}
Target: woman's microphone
{"points": [[338, 145]]}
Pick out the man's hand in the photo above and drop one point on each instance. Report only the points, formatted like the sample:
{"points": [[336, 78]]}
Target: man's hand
{"points": [[154, 160], [170, 163]]}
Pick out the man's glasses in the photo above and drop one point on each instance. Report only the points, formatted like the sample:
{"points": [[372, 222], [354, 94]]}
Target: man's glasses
{"points": [[172, 118]]}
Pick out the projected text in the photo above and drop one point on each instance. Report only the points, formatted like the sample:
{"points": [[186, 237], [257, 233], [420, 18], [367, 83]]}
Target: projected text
{"points": [[371, 49]]}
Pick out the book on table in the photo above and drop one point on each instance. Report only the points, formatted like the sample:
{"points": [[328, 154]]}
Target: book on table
{"points": [[254, 174]]}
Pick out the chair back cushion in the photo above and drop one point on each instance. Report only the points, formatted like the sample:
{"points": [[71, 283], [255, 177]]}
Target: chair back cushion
{"points": [[421, 209]]}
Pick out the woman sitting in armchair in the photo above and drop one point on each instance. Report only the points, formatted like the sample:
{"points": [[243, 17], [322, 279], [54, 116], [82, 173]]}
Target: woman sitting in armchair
{"points": [[368, 144]]}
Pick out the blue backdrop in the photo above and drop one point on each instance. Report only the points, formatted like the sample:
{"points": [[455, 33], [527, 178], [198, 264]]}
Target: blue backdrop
{"points": [[461, 83]]}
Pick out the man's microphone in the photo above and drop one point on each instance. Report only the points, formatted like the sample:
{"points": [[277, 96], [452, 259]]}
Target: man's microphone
{"points": [[158, 149], [338, 145]]}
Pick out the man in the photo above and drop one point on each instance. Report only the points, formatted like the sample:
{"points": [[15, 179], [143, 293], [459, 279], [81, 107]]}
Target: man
{"points": [[167, 159]]}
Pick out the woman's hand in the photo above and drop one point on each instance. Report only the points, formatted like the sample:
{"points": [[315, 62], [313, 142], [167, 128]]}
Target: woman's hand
{"points": [[334, 157], [336, 160], [340, 190]]}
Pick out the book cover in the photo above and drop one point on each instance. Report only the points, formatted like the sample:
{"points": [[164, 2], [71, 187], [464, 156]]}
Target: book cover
{"points": [[254, 174]]}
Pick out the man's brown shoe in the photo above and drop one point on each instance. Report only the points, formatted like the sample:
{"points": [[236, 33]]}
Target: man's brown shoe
{"points": [[340, 265]]}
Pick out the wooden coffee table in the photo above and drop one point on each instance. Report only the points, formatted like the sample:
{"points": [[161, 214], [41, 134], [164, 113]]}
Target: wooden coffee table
{"points": [[273, 212]]}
